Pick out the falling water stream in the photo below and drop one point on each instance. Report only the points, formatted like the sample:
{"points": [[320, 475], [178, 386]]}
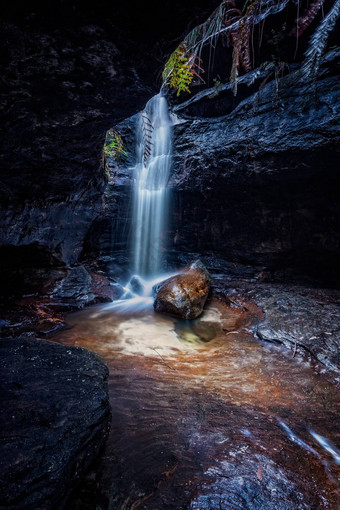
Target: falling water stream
{"points": [[150, 193], [204, 416], [150, 206]]}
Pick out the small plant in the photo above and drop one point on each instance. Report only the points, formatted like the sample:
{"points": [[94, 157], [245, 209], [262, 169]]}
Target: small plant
{"points": [[218, 87], [276, 70], [114, 145], [180, 69]]}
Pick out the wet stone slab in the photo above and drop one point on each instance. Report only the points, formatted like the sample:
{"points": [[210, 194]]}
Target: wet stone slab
{"points": [[304, 319]]}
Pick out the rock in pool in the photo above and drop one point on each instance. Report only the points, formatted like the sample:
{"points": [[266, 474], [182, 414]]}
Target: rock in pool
{"points": [[184, 294]]}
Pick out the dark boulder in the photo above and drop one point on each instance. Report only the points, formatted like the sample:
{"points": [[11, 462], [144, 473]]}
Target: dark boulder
{"points": [[136, 285], [185, 294], [55, 419]]}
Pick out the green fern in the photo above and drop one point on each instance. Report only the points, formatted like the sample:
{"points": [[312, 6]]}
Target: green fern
{"points": [[114, 145], [178, 72], [238, 26], [218, 87]]}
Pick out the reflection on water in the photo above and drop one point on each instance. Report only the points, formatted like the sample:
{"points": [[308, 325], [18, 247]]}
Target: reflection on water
{"points": [[144, 331], [201, 399]]}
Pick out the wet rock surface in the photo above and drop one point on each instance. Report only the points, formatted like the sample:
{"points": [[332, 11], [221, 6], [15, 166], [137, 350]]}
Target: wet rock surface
{"points": [[81, 288], [304, 319], [54, 421], [246, 181], [49, 294], [185, 294], [209, 423], [57, 226]]}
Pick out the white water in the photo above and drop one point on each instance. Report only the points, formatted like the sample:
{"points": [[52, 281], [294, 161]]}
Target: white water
{"points": [[150, 195], [132, 301], [150, 208], [327, 445]]}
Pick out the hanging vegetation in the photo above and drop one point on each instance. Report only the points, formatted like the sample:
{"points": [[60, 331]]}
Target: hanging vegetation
{"points": [[237, 26], [305, 20], [114, 145], [181, 68], [319, 41]]}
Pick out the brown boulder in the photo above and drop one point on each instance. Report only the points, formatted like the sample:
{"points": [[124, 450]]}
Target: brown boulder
{"points": [[184, 295]]}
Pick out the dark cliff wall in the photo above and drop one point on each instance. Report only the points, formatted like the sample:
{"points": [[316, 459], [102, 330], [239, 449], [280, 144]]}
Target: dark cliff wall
{"points": [[256, 184], [69, 71]]}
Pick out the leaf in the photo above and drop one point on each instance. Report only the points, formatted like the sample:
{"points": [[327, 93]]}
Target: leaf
{"points": [[178, 70]]}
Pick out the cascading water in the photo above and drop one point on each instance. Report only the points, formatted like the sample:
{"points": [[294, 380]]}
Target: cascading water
{"points": [[150, 206], [150, 194]]}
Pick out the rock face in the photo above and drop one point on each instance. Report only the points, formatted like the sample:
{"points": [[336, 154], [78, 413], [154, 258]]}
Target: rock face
{"points": [[247, 175], [49, 293], [55, 418], [67, 78], [249, 172], [185, 294], [246, 180]]}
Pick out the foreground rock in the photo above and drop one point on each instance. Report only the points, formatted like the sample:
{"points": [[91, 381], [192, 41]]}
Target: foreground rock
{"points": [[185, 294], [54, 422], [53, 292]]}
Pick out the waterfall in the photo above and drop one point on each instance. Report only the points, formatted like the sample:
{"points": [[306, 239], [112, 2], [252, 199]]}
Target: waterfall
{"points": [[150, 207], [150, 193]]}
